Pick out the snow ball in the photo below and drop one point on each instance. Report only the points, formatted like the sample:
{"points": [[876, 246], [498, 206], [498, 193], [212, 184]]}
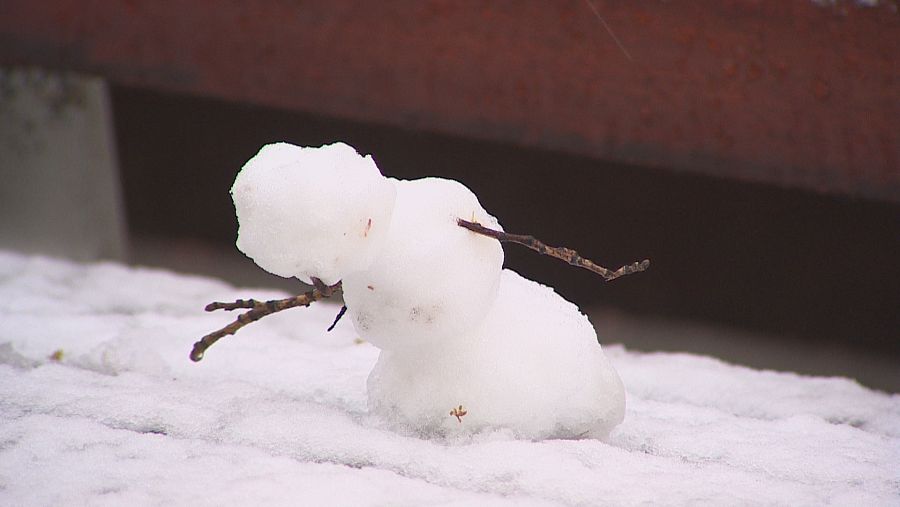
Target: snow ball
{"points": [[433, 280], [533, 366], [311, 212]]}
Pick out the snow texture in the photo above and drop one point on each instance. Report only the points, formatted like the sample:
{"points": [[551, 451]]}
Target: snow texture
{"points": [[432, 281], [533, 366], [311, 212], [277, 415]]}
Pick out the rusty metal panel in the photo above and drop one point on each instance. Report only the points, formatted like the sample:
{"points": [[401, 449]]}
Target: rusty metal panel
{"points": [[795, 93]]}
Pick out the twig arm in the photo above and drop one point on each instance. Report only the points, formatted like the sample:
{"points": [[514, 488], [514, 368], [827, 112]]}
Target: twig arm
{"points": [[256, 310], [562, 253], [259, 309]]}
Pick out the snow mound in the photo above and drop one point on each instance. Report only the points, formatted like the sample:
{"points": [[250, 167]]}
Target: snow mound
{"points": [[533, 367], [277, 415], [311, 212], [432, 280]]}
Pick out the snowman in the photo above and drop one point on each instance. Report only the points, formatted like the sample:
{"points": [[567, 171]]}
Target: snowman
{"points": [[466, 346]]}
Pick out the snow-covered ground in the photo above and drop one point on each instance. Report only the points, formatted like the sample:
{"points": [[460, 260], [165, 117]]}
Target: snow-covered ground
{"points": [[277, 414]]}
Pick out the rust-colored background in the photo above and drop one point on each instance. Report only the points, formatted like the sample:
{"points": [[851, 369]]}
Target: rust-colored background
{"points": [[795, 93]]}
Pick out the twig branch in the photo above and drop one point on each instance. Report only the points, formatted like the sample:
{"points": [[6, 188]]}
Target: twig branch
{"points": [[562, 253], [337, 318], [257, 310]]}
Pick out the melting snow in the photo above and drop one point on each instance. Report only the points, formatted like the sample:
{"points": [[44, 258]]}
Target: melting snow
{"points": [[277, 415]]}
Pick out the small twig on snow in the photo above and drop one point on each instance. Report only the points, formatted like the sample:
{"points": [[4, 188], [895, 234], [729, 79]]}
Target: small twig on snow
{"points": [[258, 310], [562, 253], [459, 412], [337, 318]]}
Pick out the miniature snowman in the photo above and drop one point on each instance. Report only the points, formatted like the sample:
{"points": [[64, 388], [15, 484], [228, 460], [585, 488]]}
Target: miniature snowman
{"points": [[466, 346]]}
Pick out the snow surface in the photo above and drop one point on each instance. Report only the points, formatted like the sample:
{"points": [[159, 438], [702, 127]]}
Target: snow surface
{"points": [[277, 414]]}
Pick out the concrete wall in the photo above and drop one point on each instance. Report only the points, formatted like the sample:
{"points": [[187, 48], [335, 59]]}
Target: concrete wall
{"points": [[59, 182]]}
